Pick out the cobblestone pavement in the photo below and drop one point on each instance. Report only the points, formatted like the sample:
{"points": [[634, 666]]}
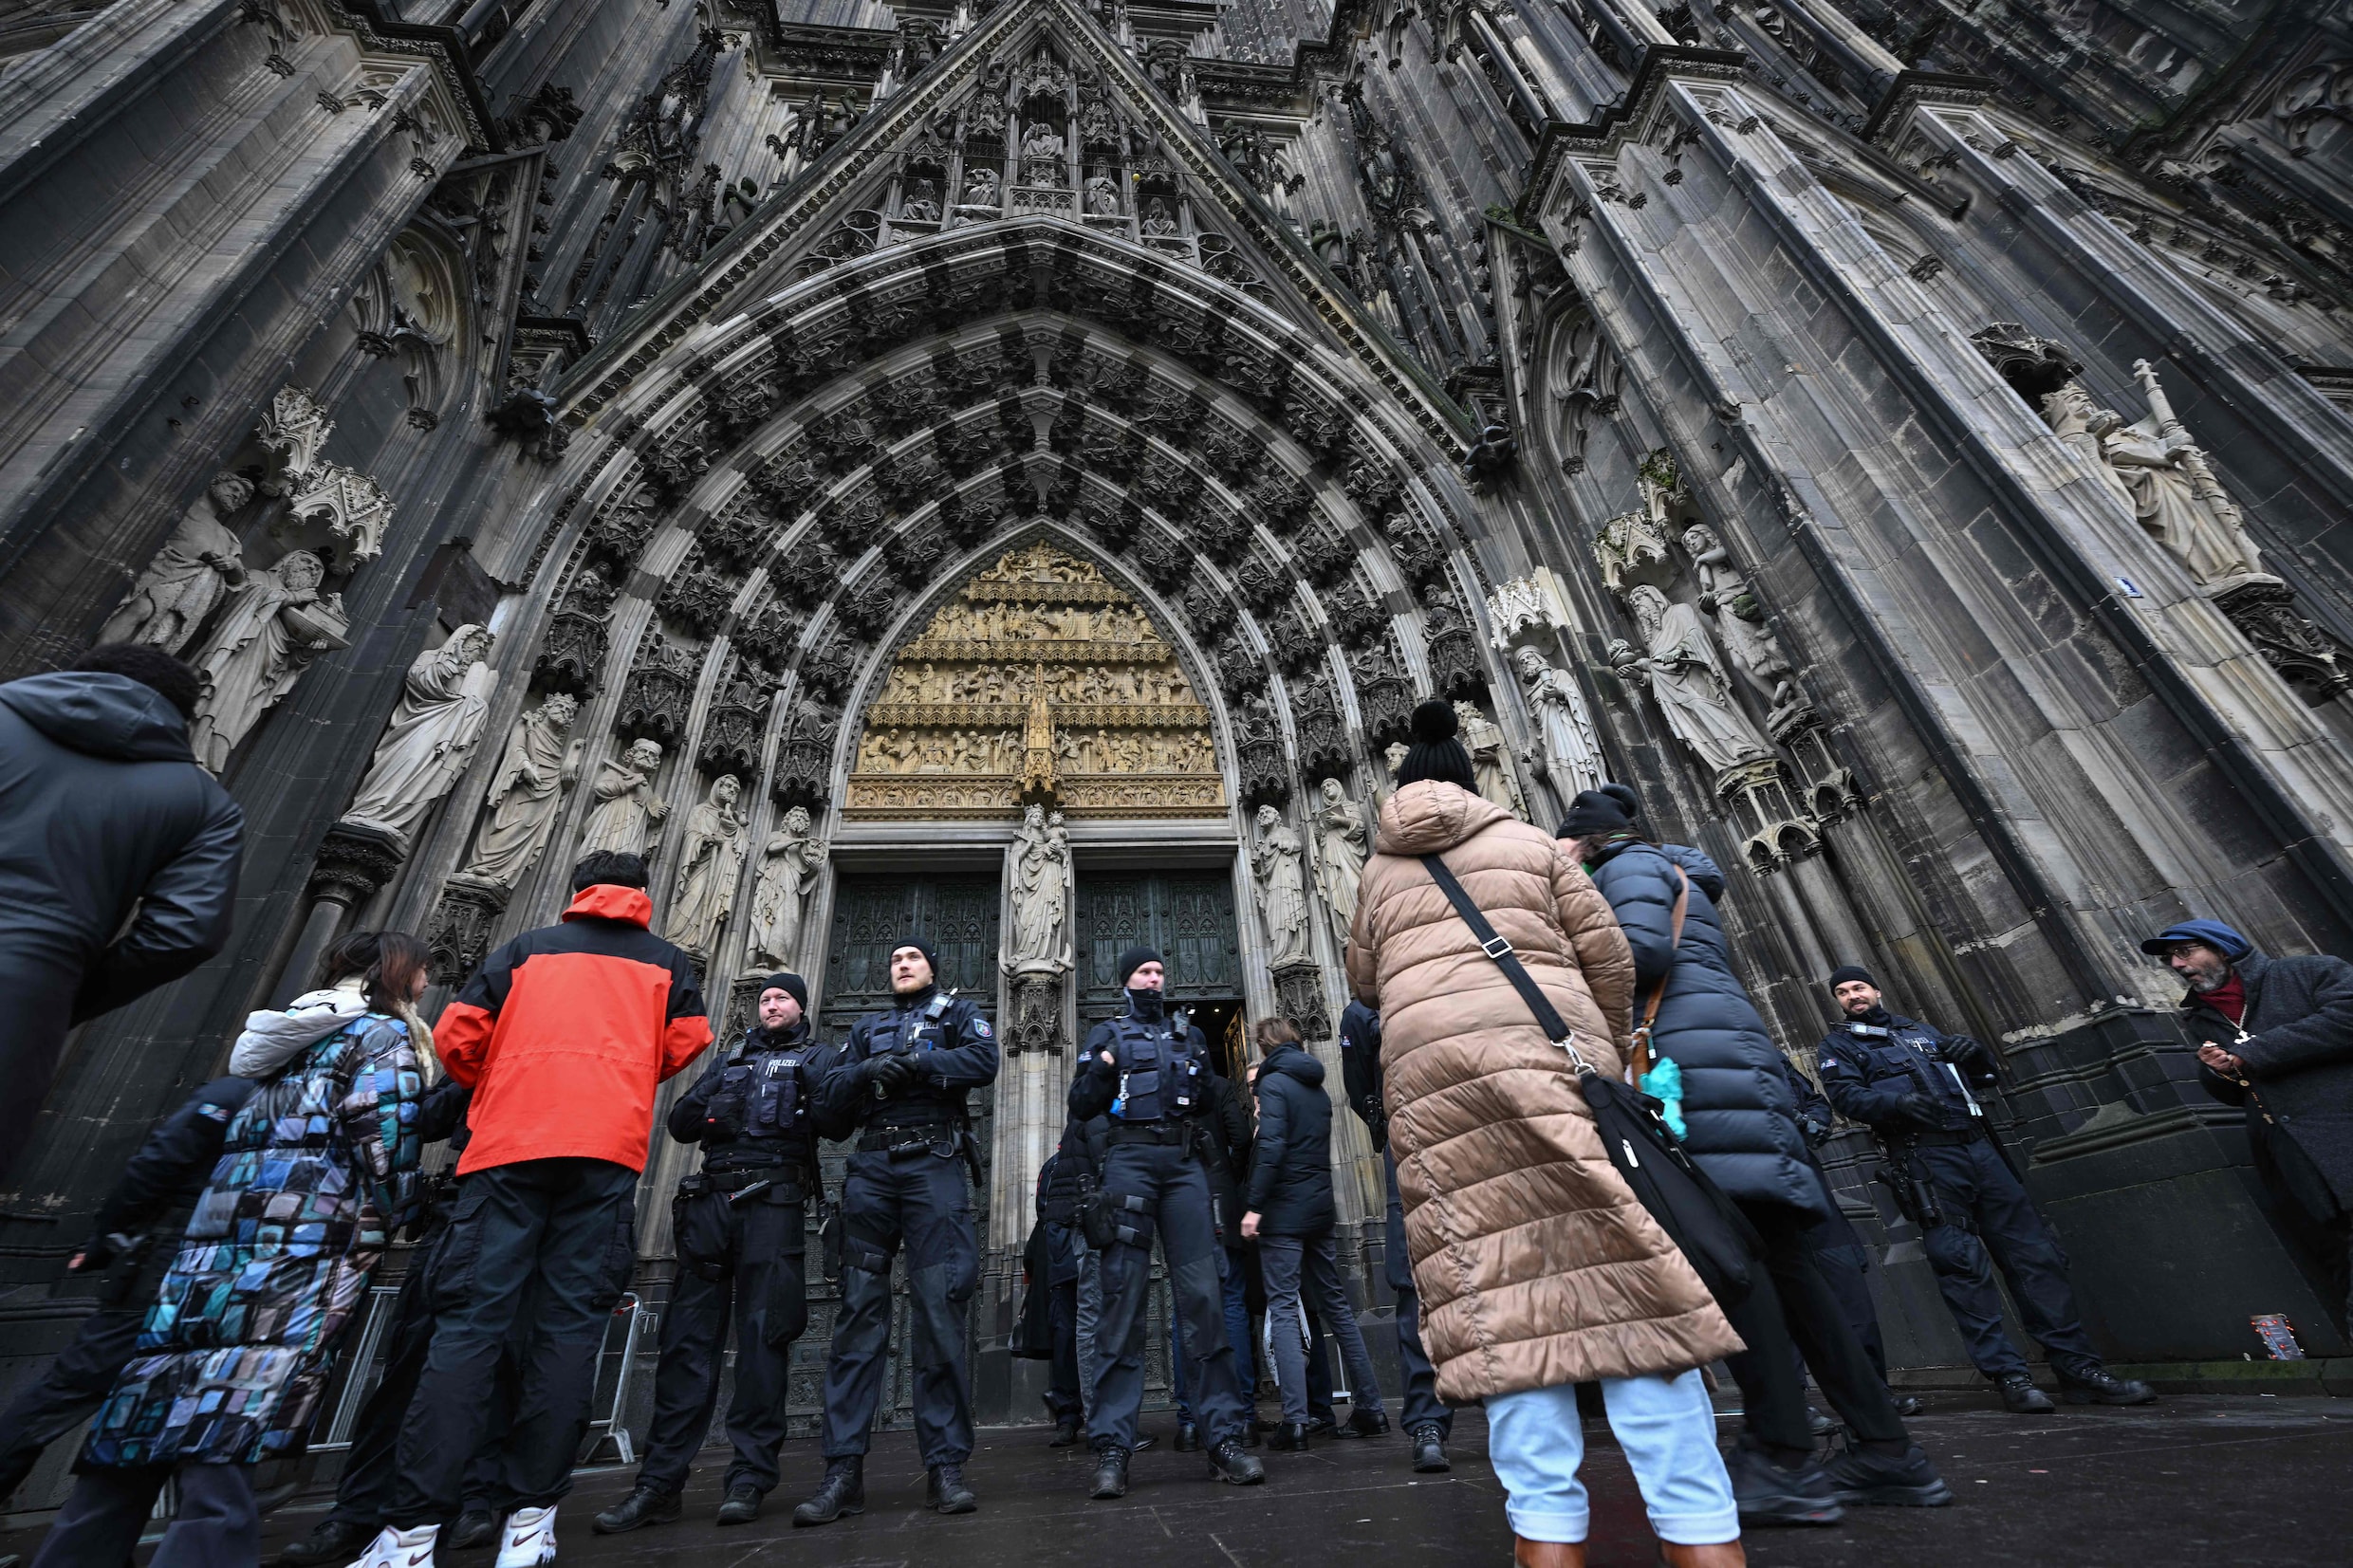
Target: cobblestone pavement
{"points": [[2244, 1481]]}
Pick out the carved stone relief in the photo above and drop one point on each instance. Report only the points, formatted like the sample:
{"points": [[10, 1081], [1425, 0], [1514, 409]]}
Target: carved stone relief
{"points": [[790, 865], [628, 809], [525, 793], [444, 704], [273, 627]]}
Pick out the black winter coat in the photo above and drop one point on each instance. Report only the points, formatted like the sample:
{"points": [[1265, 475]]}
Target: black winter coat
{"points": [[2298, 1048], [1228, 1148], [1290, 1179], [1360, 1071], [1743, 1119], [102, 807]]}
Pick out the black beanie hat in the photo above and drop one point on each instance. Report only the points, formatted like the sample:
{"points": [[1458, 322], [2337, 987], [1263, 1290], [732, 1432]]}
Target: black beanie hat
{"points": [[1136, 958], [790, 983], [1851, 971], [930, 955], [1605, 810], [1436, 754]]}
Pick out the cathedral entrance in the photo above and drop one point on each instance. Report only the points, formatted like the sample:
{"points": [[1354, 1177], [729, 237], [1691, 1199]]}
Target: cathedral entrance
{"points": [[1187, 915], [872, 915]]}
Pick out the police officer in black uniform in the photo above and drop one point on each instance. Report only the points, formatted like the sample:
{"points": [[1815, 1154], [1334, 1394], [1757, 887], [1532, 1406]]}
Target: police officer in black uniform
{"points": [[1064, 1181], [1427, 1422], [738, 1226], [900, 1084], [1920, 1089], [1149, 1071]]}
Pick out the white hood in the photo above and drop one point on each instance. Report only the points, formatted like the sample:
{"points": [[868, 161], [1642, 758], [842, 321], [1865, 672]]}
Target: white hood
{"points": [[272, 1040]]}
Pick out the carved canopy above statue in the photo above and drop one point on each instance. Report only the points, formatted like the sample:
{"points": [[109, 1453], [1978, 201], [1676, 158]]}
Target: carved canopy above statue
{"points": [[950, 734]]}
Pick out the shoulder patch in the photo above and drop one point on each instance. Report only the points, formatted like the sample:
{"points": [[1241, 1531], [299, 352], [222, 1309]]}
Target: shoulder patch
{"points": [[980, 1028]]}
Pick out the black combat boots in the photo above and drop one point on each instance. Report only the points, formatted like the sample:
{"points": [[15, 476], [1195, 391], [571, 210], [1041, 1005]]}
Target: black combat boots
{"points": [[1065, 1431], [1230, 1461], [1188, 1437], [1363, 1423], [331, 1543], [1110, 1472], [1291, 1437], [648, 1505], [842, 1491], [1887, 1475], [946, 1492], [2020, 1397], [1780, 1486], [2099, 1386], [742, 1506], [1430, 1449]]}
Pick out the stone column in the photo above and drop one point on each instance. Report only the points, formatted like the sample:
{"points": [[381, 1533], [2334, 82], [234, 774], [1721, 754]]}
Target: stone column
{"points": [[352, 864]]}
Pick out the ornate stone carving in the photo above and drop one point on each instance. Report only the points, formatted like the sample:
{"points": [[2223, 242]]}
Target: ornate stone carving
{"points": [[1336, 824], [1678, 662], [660, 689], [2264, 610], [628, 809], [1037, 1015], [1385, 697], [352, 864], [572, 655], [1524, 604], [1037, 653], [704, 895], [790, 865], [1490, 759], [1455, 663], [1277, 863], [1417, 554], [804, 770], [732, 732], [1039, 942], [272, 629], [190, 576], [2159, 473], [1299, 996], [444, 704], [525, 793], [1632, 546], [697, 596], [1724, 592], [294, 431], [351, 506], [1568, 753], [621, 530], [458, 934], [1258, 753], [1322, 734]]}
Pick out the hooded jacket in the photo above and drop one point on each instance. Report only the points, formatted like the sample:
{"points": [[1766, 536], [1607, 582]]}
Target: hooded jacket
{"points": [[1743, 1120], [102, 809], [1291, 1177], [271, 1039], [566, 1033], [1535, 1265], [2296, 1039]]}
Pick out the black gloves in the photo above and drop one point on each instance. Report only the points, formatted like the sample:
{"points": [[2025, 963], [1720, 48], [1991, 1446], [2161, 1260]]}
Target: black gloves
{"points": [[897, 1073], [1816, 1130], [1921, 1108]]}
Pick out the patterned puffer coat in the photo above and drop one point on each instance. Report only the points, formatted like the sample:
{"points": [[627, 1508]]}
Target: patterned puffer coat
{"points": [[320, 1167]]}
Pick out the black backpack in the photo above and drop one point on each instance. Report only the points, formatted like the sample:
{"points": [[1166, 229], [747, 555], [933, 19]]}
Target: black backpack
{"points": [[1692, 1210]]}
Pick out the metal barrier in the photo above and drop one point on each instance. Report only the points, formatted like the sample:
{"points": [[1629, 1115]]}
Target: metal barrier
{"points": [[361, 1363], [612, 1429]]}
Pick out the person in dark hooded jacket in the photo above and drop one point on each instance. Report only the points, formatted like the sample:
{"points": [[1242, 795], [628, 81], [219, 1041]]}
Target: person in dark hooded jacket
{"points": [[103, 811], [1290, 1214], [1743, 1132]]}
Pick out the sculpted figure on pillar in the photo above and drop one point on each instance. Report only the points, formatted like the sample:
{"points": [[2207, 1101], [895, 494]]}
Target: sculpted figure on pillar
{"points": [[627, 809], [443, 707], [1275, 861], [527, 792], [1739, 620], [2157, 471], [1568, 752], [188, 577], [1340, 843], [705, 895], [790, 864], [1687, 680], [1041, 893], [278, 623], [1490, 759]]}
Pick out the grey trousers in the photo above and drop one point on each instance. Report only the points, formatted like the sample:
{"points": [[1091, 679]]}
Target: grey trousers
{"points": [[218, 1526], [1291, 1265]]}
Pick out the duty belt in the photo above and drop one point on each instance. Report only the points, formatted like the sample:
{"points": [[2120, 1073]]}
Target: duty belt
{"points": [[900, 1139], [1938, 1140], [1152, 1132], [735, 1178]]}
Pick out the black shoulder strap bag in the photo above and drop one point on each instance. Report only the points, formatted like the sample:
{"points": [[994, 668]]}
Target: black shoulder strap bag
{"points": [[1716, 1237]]}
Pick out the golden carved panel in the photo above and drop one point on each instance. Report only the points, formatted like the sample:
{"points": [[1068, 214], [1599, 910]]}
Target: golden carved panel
{"points": [[1038, 681]]}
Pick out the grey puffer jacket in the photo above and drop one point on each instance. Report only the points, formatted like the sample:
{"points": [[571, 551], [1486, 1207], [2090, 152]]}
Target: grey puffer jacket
{"points": [[1743, 1119]]}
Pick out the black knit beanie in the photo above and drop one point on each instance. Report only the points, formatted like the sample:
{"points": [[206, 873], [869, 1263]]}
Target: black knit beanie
{"points": [[1851, 971], [1595, 811], [1436, 754], [1136, 958], [930, 955], [790, 983]]}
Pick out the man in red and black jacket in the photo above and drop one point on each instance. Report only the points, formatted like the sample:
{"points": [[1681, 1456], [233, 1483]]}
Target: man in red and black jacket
{"points": [[564, 1033]]}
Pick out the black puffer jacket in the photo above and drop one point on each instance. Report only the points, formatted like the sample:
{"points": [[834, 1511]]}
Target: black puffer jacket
{"points": [[2299, 1055], [1290, 1180], [1743, 1119], [102, 807]]}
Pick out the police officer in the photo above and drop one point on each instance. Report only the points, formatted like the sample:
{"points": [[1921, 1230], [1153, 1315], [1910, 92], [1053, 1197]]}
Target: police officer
{"points": [[1920, 1089], [900, 1084], [1427, 1422], [737, 1223], [1149, 1071], [1067, 1176]]}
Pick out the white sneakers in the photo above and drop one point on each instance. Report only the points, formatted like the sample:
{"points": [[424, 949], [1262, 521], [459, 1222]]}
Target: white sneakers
{"points": [[403, 1548], [529, 1538]]}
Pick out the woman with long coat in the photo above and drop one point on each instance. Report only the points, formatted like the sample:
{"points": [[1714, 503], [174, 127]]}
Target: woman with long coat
{"points": [[317, 1170], [1536, 1266], [1743, 1132]]}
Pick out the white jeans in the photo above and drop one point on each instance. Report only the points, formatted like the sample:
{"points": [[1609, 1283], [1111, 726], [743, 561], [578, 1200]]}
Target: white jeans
{"points": [[1667, 1429]]}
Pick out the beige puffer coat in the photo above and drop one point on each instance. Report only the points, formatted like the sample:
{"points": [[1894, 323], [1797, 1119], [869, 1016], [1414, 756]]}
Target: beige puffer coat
{"points": [[1537, 1265]]}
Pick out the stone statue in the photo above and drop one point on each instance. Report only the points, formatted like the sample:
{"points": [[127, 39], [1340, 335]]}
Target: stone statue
{"points": [[922, 203], [1340, 846], [1724, 593], [1282, 888], [980, 190], [444, 704], [1040, 894], [705, 895], [186, 580], [1102, 198], [528, 790], [1490, 759], [1158, 224], [1568, 753], [1041, 156], [2175, 492], [275, 626], [1688, 681], [789, 869], [627, 805]]}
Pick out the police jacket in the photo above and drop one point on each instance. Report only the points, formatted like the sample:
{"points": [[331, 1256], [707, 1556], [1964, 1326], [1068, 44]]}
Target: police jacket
{"points": [[1158, 1074], [1073, 1169], [751, 1108], [2296, 1038], [1869, 1065], [1291, 1178], [1359, 1070], [955, 1045], [1227, 1152]]}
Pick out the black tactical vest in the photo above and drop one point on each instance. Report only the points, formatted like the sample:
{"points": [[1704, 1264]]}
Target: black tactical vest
{"points": [[1160, 1075]]}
